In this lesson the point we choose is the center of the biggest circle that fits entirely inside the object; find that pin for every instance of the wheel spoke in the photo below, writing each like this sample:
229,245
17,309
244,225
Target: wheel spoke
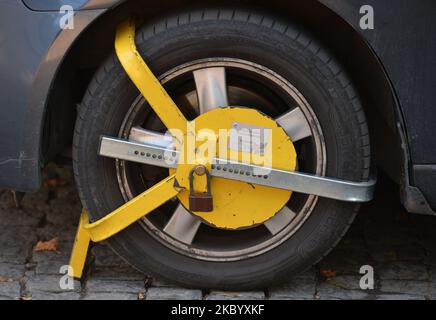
295,124
211,88
183,226
280,220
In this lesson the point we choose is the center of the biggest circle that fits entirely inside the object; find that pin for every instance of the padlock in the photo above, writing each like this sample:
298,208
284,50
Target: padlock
200,202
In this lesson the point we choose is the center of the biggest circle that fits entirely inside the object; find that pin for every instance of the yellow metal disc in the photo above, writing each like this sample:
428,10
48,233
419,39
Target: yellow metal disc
239,204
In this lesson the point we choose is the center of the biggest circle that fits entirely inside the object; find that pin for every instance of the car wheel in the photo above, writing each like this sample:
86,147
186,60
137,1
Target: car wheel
263,63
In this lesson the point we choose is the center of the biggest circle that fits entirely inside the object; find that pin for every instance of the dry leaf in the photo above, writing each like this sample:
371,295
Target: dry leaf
50,245
328,273
55,182
4,279
141,296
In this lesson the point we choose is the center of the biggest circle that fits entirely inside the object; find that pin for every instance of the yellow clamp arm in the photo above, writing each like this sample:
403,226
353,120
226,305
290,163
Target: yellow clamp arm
144,79
171,116
117,220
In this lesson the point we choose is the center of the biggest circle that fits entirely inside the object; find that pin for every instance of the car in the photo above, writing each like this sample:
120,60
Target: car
343,90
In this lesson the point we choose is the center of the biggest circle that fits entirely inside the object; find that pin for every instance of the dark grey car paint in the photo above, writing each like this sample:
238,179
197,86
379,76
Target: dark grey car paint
30,56
54,5
30,53
404,39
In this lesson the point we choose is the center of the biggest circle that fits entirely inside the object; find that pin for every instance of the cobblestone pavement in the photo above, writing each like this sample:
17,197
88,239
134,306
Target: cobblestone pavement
400,246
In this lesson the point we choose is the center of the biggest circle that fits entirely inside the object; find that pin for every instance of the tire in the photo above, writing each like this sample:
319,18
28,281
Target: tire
281,47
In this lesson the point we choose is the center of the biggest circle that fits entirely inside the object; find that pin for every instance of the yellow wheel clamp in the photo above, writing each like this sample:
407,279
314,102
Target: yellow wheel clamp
244,194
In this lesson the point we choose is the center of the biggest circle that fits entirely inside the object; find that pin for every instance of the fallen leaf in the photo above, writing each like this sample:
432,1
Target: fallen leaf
328,274
4,279
337,285
50,245
141,296
55,182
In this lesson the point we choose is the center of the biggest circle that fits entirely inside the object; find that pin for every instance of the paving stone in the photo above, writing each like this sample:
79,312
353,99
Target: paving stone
11,270
427,236
298,288
383,253
65,233
326,291
101,285
401,271
345,261
350,282
353,239
5,298
124,273
68,194
38,295
35,203
308,275
14,217
352,242
379,234
410,287
111,296
50,267
65,211
50,262
16,243
398,297
290,294
433,289
48,283
6,201
158,282
10,290
173,294
228,295
105,257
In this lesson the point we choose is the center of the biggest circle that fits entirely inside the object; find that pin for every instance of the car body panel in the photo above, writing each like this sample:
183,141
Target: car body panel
55,5
30,54
399,40
409,59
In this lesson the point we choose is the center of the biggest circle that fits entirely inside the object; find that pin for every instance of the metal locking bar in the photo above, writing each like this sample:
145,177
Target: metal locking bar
157,155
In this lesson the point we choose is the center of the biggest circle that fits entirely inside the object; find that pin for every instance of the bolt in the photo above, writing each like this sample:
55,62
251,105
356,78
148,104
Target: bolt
200,170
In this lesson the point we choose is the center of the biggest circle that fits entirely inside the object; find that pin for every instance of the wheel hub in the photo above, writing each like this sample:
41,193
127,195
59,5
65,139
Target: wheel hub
239,204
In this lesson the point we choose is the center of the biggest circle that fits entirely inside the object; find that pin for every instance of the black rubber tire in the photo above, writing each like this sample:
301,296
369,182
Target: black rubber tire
282,48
